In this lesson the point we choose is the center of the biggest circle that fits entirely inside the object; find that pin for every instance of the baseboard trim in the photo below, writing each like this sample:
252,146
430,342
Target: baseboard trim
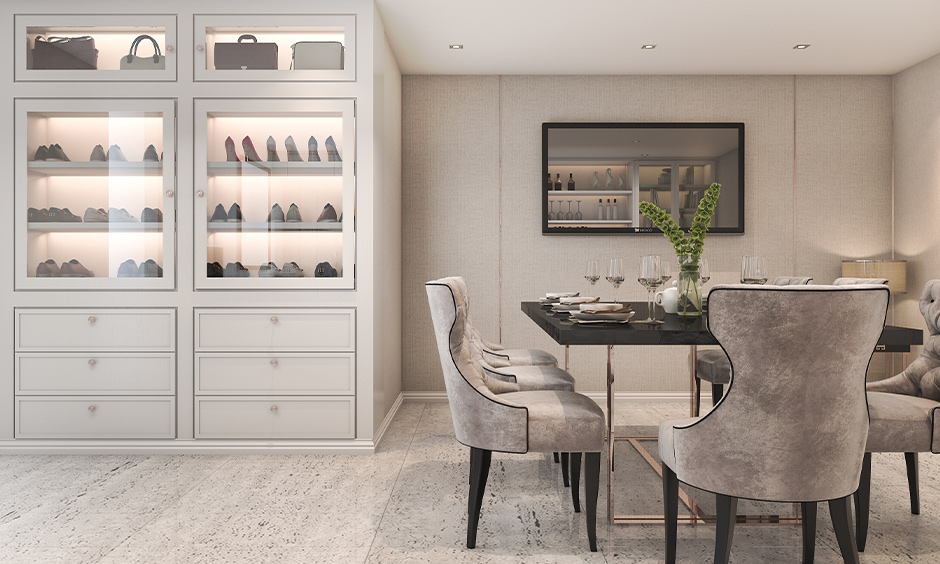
387,421
599,397
186,446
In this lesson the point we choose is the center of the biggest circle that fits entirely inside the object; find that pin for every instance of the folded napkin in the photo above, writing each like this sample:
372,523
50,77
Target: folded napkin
578,300
556,295
586,308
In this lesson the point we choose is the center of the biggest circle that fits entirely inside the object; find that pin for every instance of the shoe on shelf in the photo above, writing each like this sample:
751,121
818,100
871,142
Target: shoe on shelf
293,155
93,215
116,154
214,270
219,214
120,216
41,153
331,153
151,215
312,155
150,269
48,269
292,270
324,270
272,151
55,153
97,154
328,213
235,270
128,269
230,155
74,269
340,218
250,154
269,270
62,216
293,214
235,213
36,216
150,154
276,215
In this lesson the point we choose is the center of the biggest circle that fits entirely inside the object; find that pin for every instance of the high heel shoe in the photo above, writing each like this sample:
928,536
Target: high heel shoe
250,154
312,155
97,154
230,155
116,154
272,151
331,153
293,155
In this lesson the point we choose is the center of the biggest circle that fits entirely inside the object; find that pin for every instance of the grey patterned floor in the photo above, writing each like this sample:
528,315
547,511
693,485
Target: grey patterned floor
405,504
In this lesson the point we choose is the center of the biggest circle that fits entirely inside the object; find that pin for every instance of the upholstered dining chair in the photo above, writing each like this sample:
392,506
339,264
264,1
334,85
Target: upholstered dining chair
854,281
905,413
712,365
793,425
512,422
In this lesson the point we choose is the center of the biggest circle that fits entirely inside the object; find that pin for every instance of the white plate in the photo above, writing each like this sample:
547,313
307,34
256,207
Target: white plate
555,295
625,316
598,321
565,307
600,306
578,300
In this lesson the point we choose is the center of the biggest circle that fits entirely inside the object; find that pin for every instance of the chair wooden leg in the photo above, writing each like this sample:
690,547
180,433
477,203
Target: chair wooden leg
718,390
698,396
576,481
726,512
555,454
808,510
670,512
841,512
862,504
592,477
564,469
479,470
913,481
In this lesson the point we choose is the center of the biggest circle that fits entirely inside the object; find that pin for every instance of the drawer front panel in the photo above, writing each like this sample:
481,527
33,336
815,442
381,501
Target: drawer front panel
95,418
261,330
284,374
92,374
275,418
105,330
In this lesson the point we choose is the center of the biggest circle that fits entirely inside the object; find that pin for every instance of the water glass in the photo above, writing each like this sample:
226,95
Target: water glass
592,273
753,270
703,270
650,277
615,274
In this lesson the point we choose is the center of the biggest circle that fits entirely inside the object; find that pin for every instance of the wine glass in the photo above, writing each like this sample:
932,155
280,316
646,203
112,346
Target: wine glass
615,274
651,277
551,214
667,275
592,273
753,270
703,270
578,215
569,216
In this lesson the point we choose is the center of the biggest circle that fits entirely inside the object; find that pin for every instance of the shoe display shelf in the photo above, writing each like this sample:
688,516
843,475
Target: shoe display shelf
675,186
112,37
236,222
284,48
79,192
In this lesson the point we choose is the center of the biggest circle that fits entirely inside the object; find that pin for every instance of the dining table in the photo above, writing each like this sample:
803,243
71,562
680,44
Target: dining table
674,330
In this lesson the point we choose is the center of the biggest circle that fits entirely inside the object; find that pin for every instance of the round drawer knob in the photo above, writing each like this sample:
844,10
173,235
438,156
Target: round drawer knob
169,193
273,319
169,48
200,193
199,47
91,408
92,362
91,319
273,409
273,362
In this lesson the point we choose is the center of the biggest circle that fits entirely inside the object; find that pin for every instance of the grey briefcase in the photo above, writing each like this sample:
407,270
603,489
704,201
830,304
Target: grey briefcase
246,56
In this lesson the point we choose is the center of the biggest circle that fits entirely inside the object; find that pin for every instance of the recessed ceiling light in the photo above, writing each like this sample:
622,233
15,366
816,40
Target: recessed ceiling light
636,140
801,46
648,46
645,155
456,46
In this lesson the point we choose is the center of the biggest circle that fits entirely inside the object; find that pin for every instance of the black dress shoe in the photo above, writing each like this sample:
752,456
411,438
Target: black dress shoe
328,213
219,214
214,270
235,213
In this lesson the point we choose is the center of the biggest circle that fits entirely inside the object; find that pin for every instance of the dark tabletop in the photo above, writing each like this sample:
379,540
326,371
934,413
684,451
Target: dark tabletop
673,331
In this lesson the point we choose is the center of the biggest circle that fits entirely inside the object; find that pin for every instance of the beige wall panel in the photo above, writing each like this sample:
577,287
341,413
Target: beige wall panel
450,208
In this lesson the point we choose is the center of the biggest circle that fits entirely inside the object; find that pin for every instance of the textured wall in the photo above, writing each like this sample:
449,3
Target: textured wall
471,130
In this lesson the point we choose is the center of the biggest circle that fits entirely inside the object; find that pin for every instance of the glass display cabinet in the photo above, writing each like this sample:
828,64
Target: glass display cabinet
95,194
275,194
95,47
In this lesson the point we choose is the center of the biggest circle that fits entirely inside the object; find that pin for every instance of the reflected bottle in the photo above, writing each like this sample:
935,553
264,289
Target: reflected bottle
600,208
609,212
550,184
558,182
615,210
571,181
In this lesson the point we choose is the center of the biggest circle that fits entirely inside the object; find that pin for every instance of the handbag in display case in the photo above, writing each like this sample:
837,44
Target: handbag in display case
246,56
154,62
317,55
65,53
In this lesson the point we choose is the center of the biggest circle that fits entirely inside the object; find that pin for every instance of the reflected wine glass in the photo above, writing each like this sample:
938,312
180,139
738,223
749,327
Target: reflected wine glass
703,270
615,274
651,277
753,270
551,214
578,215
569,216
592,273
667,275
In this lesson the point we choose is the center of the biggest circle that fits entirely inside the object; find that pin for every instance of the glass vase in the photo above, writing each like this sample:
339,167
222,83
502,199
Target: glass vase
689,286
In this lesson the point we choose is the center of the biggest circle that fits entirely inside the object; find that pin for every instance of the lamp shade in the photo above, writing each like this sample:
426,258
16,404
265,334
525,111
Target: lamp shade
894,270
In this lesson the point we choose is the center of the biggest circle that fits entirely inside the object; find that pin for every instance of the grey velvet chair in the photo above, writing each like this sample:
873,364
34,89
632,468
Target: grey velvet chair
712,365
513,422
793,425
905,413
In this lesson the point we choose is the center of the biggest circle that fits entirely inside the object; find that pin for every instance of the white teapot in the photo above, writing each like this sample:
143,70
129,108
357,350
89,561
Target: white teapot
668,299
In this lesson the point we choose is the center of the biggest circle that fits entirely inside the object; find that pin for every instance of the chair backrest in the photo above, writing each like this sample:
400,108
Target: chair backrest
481,420
794,422
854,281
791,281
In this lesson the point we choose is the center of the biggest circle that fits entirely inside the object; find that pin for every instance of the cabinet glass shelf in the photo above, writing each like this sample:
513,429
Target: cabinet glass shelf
68,227
114,168
275,168
292,226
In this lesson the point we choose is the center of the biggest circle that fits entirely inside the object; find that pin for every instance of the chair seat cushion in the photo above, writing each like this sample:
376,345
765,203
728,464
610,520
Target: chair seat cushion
900,423
561,421
667,451
519,357
713,366
532,378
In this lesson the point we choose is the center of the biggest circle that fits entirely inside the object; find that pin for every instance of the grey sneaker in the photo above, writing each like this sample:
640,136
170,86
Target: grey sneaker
219,214
151,215
41,153
93,215
33,215
128,269
120,216
293,213
74,269
62,215
48,269
55,153
292,270
269,270
276,215
150,154
150,269
235,270
235,213
328,214
97,154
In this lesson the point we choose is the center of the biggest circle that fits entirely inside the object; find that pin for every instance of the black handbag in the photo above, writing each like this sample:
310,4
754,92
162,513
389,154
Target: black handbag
65,53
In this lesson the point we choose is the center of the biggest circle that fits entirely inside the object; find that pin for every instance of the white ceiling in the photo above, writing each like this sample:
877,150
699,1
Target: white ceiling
692,36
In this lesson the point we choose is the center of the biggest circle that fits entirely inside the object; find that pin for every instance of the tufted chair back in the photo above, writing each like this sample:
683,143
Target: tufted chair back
791,281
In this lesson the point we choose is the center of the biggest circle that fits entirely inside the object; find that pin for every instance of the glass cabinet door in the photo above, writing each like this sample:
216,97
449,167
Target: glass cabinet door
675,186
95,194
274,194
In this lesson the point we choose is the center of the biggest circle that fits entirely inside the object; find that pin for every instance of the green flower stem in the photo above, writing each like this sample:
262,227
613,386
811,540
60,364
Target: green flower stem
693,242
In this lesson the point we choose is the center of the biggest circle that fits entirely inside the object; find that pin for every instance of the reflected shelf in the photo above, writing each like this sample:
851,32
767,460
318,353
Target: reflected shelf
282,168
590,193
265,226
115,168
571,222
102,227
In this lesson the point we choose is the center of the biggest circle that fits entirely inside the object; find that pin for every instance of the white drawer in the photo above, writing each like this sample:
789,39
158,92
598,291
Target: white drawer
275,417
96,329
91,374
95,418
276,329
276,374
